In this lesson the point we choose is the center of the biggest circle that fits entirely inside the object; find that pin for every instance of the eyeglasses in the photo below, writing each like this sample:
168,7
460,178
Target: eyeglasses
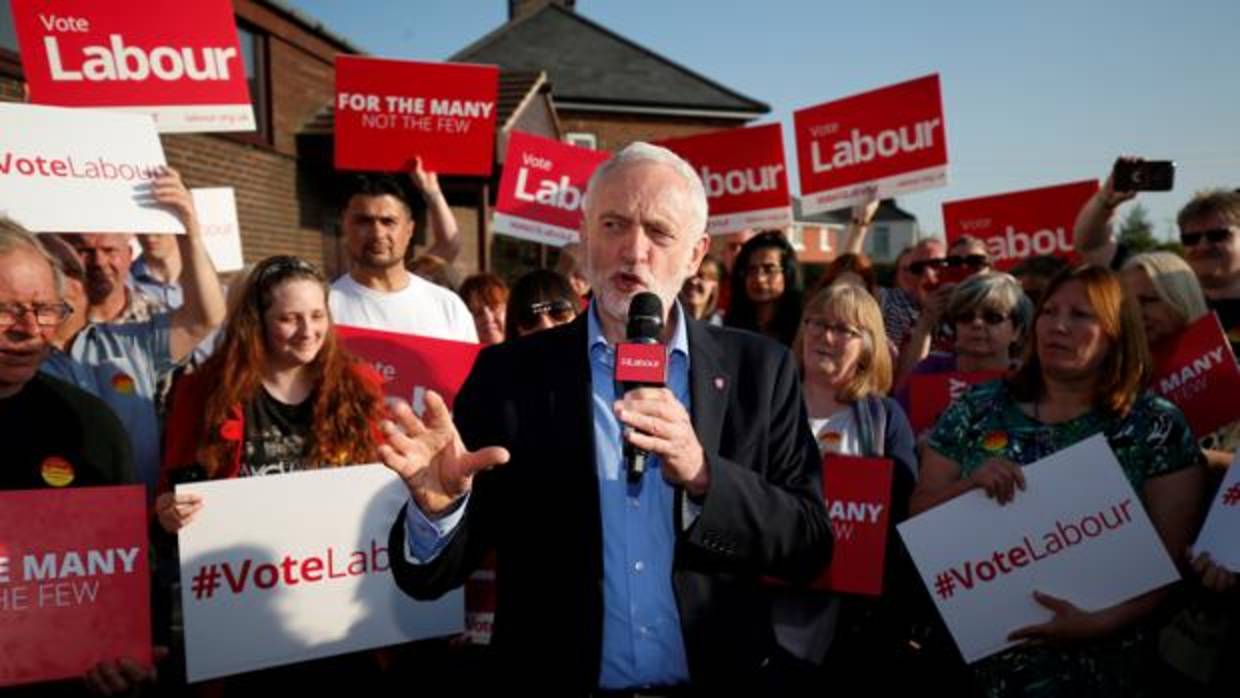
990,317
764,270
560,311
1215,237
45,314
816,325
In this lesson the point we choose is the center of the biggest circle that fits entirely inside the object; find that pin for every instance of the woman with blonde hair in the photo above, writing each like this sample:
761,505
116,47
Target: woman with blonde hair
841,349
1170,298
1166,291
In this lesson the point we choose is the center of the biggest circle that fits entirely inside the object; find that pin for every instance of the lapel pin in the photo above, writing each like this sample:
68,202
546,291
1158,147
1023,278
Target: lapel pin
719,382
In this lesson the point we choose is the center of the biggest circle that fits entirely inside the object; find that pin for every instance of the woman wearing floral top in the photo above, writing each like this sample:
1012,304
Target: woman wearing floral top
1084,374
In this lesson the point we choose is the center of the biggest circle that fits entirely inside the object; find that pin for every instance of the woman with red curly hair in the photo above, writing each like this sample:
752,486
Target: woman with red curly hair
278,396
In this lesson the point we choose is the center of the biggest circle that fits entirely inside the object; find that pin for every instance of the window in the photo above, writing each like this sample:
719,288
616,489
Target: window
880,242
254,56
8,34
582,139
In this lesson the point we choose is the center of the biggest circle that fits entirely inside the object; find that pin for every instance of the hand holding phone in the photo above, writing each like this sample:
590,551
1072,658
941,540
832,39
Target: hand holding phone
1142,175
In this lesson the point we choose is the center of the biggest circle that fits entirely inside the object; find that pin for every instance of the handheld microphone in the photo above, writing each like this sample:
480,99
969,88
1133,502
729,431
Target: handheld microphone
641,361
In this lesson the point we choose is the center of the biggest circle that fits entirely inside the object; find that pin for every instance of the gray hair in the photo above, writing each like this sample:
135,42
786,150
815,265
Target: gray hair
997,290
1174,281
970,241
13,237
645,152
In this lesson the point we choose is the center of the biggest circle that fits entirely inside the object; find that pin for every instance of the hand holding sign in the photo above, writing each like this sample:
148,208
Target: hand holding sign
1000,479
123,675
426,181
1068,625
175,511
430,457
169,190
1213,576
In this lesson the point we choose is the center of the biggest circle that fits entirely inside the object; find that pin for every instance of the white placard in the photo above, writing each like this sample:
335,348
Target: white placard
1077,532
285,568
217,216
80,171
1220,535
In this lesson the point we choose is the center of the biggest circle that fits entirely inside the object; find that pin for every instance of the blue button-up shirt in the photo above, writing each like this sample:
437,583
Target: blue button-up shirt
642,641
170,294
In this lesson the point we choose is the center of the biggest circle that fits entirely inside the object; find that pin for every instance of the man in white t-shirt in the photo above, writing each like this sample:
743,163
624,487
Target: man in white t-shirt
378,292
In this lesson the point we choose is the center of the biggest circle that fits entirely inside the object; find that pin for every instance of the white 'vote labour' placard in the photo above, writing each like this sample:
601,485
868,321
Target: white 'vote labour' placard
80,171
287,568
1077,532
221,233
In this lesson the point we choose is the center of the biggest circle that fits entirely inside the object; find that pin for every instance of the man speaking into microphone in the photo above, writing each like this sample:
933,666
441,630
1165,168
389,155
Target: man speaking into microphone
615,578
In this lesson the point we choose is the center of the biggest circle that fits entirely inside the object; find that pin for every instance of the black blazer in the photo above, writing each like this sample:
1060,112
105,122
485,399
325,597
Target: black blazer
763,513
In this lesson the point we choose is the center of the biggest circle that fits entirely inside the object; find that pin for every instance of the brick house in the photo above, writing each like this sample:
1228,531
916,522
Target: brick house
284,199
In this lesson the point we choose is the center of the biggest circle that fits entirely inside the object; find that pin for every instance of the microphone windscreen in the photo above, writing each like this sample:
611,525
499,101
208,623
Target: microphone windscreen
645,317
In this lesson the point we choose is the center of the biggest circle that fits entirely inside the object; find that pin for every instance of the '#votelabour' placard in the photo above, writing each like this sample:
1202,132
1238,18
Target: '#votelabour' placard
265,584
178,61
74,585
389,111
982,562
1020,224
871,145
744,174
542,190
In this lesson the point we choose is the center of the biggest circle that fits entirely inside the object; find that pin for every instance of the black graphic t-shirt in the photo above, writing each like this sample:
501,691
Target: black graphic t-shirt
277,436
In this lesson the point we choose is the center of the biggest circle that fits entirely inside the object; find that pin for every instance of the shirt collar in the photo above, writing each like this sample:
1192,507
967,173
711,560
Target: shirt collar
139,271
680,338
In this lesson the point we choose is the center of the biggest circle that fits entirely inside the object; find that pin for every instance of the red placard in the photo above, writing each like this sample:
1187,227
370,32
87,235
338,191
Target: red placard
178,60
389,111
871,145
745,176
74,583
1020,224
858,494
411,365
541,191
1197,371
930,394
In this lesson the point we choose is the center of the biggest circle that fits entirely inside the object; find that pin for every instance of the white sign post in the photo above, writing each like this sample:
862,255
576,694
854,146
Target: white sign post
80,171
1077,532
1220,535
287,568
217,215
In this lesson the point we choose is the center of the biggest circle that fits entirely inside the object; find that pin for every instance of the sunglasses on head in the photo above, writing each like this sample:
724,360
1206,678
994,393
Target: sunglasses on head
1213,236
285,265
973,261
990,317
560,311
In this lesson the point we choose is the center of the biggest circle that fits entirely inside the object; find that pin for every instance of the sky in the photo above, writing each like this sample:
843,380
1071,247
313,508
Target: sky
1034,93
